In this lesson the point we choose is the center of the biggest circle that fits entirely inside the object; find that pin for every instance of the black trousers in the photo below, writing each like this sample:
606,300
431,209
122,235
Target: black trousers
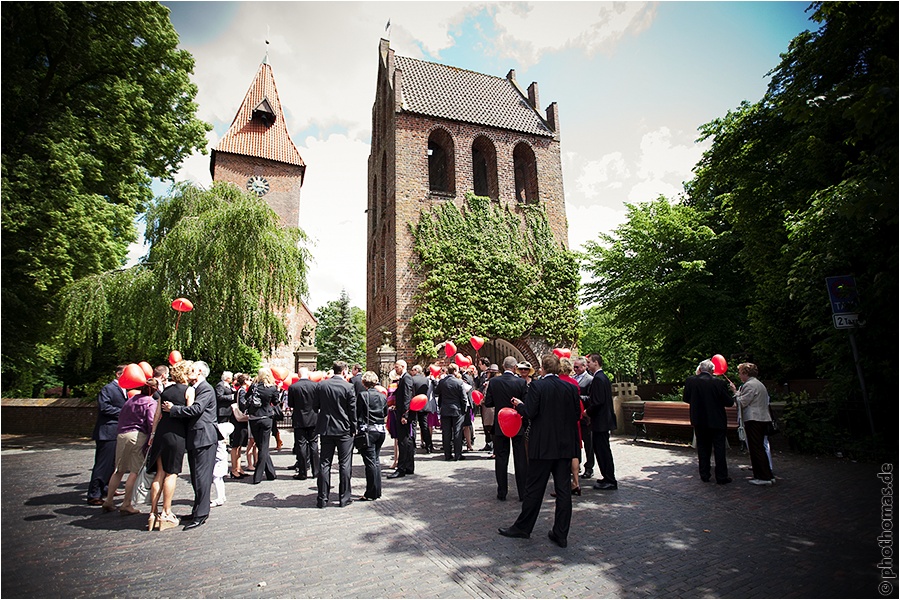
501,463
307,450
344,446
600,443
539,472
424,432
709,441
369,446
452,436
262,433
406,448
104,466
587,438
759,460
201,462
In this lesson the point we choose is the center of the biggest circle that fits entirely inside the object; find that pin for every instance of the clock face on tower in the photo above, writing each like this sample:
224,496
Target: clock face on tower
258,185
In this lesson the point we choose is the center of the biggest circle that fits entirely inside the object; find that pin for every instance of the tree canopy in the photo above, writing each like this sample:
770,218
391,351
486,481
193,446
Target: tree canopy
341,333
487,273
224,250
96,100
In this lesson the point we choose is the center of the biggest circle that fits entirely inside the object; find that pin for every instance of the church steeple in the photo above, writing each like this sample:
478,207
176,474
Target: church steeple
259,129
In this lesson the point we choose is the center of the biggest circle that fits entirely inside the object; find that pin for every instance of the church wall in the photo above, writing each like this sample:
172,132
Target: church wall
284,181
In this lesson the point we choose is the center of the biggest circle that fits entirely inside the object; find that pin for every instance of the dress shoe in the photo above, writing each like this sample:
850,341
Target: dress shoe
194,524
513,533
576,491
724,481
238,476
606,485
347,503
95,501
587,474
320,505
704,479
300,477
762,481
502,498
364,499
396,474
557,540
216,502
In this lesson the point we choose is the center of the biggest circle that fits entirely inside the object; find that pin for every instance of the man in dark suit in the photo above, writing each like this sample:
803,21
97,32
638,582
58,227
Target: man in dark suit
500,392
599,409
420,386
451,401
356,378
708,398
406,441
335,401
224,397
109,404
584,377
202,437
554,408
301,399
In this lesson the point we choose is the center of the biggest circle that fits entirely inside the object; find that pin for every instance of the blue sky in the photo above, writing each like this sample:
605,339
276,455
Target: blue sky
633,82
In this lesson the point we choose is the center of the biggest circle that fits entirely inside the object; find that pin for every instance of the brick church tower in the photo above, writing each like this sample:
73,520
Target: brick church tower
257,154
437,133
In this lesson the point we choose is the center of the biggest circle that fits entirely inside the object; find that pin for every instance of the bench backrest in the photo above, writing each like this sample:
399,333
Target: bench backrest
681,411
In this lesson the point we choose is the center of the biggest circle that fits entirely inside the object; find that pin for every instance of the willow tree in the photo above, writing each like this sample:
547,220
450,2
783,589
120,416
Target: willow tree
224,250
489,272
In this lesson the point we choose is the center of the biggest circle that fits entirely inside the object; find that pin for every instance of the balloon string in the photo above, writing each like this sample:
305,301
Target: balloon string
177,321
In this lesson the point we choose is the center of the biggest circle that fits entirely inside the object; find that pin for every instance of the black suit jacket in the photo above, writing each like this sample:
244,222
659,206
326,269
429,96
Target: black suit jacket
599,406
420,386
554,408
335,401
224,398
451,397
708,398
501,389
201,416
356,382
109,404
301,398
403,395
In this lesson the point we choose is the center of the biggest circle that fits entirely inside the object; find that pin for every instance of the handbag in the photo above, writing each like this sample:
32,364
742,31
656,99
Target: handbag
239,415
277,412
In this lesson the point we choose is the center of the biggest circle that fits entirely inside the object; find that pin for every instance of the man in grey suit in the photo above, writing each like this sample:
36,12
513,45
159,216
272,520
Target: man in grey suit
202,437
335,401
554,407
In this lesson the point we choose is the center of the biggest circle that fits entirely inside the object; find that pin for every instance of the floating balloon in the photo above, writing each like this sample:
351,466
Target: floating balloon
510,421
317,376
133,393
477,342
562,352
719,364
132,377
461,360
280,373
418,402
381,389
174,357
435,370
182,305
449,349
477,397
146,368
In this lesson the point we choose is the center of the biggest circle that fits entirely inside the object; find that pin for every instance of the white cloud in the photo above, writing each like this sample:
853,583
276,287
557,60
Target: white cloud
662,156
529,30
597,172
588,222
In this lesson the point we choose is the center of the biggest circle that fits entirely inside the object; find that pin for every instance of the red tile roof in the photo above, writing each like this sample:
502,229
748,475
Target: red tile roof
251,137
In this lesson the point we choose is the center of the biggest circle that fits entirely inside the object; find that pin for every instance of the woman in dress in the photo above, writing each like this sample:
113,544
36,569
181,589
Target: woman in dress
135,425
261,397
241,434
371,410
566,368
167,447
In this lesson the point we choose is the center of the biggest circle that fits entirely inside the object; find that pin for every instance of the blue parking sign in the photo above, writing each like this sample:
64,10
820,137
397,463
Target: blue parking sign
843,294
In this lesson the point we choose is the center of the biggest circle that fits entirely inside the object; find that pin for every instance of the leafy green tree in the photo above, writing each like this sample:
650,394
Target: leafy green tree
341,333
487,272
225,251
96,100
601,334
666,278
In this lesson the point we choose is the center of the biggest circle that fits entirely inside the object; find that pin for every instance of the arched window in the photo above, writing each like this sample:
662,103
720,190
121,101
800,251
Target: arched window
525,169
484,168
441,170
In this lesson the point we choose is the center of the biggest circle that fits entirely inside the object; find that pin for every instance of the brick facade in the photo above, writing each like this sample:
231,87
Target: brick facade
284,181
399,189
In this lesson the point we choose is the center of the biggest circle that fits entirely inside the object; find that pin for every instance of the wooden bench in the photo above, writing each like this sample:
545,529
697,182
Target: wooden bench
672,414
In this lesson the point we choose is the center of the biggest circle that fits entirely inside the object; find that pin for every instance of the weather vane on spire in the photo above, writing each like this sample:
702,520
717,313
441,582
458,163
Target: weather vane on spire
266,59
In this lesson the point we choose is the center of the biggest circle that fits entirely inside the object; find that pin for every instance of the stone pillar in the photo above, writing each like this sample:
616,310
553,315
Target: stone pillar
306,354
387,356
622,393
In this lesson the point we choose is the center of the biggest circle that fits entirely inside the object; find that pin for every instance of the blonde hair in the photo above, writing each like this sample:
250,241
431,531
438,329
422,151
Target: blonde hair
265,376
565,366
179,371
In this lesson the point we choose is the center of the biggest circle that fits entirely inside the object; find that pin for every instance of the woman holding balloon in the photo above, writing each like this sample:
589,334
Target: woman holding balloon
754,400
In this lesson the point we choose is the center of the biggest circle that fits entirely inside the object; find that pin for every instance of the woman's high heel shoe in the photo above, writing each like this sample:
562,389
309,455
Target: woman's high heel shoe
240,476
152,522
167,521
576,491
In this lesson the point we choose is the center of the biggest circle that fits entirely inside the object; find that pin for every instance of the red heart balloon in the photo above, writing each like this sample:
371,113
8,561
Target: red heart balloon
720,366
182,305
459,359
435,370
418,402
132,377
510,421
449,349
146,368
477,397
562,352
477,342
174,357
280,373
317,376
133,393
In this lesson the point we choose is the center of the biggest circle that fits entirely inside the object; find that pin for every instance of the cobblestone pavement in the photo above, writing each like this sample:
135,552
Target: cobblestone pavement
663,533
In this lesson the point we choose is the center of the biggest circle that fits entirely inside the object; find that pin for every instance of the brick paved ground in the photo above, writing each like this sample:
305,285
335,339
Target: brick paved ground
434,534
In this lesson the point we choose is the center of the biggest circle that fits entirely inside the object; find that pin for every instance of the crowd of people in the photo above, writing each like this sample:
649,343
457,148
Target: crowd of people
566,414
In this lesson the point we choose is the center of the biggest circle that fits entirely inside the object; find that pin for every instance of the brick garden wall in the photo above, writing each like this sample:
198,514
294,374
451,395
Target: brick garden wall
49,416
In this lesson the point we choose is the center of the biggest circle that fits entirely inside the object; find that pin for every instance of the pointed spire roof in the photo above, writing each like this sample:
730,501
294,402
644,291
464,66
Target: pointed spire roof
258,128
